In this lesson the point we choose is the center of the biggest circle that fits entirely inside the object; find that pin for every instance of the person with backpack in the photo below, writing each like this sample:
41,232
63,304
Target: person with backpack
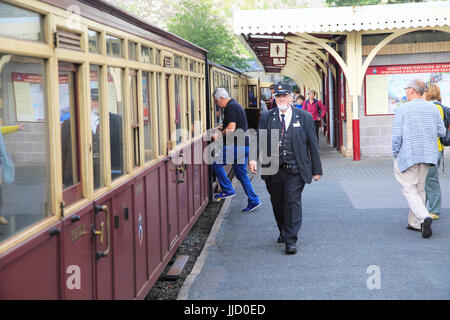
432,186
316,108
417,124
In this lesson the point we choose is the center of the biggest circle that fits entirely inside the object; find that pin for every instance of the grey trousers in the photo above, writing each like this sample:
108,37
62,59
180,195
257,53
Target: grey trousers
412,182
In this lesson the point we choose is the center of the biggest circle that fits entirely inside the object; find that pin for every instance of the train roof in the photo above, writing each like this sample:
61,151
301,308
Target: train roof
108,13
220,66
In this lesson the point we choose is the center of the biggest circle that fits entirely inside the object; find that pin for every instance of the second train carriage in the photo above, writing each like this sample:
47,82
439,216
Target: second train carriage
97,207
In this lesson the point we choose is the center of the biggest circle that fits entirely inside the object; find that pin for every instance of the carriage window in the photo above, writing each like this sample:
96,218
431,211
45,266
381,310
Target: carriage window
146,54
179,135
147,95
177,62
132,82
252,97
190,127
115,108
68,110
160,114
96,126
193,99
200,107
158,57
113,46
132,47
94,41
265,93
24,153
20,23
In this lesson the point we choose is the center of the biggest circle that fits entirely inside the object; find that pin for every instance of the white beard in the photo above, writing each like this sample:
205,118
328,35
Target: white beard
283,108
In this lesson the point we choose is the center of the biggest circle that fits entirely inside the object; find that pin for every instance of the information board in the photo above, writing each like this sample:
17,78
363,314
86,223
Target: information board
385,85
29,97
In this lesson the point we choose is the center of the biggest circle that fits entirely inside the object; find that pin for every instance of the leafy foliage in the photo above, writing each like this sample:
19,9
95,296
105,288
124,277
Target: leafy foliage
195,21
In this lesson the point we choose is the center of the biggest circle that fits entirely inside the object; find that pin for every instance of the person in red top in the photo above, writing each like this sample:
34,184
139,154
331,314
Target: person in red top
312,105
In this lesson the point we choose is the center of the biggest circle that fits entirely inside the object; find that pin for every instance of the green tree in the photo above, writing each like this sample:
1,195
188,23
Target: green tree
196,22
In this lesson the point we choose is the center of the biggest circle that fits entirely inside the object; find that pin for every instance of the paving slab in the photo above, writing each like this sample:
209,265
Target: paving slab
353,243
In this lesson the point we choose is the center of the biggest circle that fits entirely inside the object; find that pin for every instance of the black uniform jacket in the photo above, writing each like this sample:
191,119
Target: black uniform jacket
306,147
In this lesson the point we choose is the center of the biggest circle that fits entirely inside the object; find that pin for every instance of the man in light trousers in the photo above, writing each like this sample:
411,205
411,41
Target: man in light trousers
417,124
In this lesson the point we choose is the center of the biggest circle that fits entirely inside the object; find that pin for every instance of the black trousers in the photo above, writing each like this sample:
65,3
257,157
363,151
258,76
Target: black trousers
286,196
317,124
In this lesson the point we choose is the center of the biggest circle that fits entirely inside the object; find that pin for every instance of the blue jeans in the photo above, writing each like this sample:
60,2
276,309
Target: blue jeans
239,160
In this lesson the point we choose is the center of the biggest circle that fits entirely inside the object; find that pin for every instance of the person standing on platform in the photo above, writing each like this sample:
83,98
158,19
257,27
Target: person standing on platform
417,124
316,108
299,101
7,169
234,118
298,160
432,186
273,103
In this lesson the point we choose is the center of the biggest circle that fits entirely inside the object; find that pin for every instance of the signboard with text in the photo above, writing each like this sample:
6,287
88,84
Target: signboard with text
385,85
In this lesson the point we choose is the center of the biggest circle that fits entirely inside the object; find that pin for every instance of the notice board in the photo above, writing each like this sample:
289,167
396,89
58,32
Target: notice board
29,97
385,85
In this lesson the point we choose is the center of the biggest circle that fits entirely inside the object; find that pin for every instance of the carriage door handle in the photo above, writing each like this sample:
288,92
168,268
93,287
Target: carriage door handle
97,209
181,169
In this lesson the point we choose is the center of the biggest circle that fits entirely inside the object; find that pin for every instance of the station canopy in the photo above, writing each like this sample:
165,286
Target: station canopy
298,42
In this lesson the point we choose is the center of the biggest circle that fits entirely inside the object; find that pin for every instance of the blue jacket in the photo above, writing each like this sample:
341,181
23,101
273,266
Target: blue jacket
417,124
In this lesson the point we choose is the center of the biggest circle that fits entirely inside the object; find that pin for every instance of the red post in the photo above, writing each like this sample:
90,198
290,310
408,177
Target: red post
356,140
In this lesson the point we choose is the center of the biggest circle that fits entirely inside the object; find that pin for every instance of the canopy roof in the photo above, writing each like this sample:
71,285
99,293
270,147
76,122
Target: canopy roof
342,19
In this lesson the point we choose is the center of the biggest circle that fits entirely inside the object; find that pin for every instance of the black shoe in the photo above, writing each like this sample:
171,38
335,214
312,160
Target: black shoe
291,248
426,227
281,239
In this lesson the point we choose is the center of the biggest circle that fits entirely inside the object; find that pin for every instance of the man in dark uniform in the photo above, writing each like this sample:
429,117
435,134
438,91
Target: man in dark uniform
298,159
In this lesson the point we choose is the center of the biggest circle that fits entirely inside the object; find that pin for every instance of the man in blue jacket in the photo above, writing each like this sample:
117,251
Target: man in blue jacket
417,124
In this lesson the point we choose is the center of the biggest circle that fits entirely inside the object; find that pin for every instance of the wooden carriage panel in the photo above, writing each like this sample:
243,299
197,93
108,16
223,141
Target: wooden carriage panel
33,270
140,235
153,221
190,183
172,210
104,266
163,210
123,231
79,255
183,201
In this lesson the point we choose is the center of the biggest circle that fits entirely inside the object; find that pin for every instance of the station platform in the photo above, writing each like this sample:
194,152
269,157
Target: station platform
353,243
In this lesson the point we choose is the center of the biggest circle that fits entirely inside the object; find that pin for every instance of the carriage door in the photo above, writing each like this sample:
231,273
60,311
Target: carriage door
78,246
171,169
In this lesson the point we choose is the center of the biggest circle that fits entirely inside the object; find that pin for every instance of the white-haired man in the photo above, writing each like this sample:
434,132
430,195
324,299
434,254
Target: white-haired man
416,126
234,119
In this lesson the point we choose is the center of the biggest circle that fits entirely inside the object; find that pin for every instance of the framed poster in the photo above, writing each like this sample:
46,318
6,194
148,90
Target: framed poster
384,85
29,97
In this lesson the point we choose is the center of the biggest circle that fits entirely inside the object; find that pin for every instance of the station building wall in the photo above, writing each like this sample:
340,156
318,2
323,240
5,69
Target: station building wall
376,131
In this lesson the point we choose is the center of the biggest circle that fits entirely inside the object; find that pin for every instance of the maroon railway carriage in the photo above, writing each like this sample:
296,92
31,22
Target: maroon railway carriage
95,105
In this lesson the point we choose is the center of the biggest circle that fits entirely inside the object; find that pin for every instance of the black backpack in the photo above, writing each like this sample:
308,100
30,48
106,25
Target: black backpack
446,139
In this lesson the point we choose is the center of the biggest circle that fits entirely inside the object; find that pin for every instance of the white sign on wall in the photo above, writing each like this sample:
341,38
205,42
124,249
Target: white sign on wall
279,61
278,50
